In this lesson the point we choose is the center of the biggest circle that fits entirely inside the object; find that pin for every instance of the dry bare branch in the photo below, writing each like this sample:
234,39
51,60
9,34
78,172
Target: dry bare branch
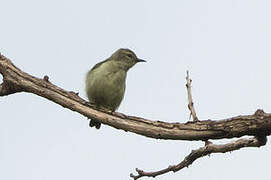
257,124
15,80
203,151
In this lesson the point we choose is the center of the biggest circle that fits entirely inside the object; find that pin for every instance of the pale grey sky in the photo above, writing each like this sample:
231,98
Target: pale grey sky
224,43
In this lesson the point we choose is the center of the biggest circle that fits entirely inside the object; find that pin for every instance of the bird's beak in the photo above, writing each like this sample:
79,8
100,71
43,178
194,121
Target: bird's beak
140,60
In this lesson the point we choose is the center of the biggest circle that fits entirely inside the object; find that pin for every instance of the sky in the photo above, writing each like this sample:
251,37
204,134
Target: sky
225,44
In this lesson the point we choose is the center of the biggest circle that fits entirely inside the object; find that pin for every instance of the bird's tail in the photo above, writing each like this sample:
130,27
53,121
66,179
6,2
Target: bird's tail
95,122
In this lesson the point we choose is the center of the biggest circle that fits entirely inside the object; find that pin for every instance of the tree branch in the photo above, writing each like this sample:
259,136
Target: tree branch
257,124
15,80
204,151
209,147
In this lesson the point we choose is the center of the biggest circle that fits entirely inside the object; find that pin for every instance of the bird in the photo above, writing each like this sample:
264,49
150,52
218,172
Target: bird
106,81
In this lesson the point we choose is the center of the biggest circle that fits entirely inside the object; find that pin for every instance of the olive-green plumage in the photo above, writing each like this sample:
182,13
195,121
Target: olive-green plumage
105,82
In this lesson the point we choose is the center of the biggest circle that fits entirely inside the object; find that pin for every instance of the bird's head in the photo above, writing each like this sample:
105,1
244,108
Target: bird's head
126,58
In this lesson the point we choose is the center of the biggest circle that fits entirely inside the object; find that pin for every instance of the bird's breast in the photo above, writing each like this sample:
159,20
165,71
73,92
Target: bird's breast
106,87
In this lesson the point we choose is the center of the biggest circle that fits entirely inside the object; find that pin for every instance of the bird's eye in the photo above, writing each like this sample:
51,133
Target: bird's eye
130,55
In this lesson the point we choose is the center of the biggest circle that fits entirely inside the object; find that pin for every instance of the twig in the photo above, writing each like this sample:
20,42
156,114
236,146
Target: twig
203,151
190,100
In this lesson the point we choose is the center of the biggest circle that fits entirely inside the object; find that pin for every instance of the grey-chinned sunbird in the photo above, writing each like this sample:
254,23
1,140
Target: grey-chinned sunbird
105,82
